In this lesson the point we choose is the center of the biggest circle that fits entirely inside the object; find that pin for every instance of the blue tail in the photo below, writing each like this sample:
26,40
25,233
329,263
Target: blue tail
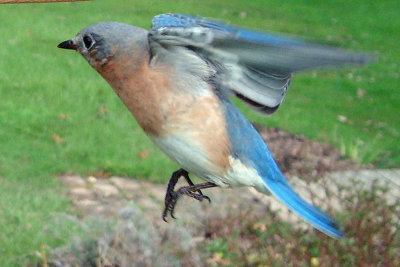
281,189
248,146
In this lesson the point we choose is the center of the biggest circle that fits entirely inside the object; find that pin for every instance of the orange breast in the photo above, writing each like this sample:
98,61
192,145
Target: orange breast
161,108
139,89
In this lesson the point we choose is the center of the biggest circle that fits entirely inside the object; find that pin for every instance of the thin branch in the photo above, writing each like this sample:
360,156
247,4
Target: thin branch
37,1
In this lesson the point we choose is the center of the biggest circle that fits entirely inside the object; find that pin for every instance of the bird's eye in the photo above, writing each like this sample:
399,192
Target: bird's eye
88,41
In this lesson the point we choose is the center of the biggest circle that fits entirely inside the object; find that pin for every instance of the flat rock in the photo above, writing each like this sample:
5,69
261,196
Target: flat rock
105,189
86,202
81,192
125,184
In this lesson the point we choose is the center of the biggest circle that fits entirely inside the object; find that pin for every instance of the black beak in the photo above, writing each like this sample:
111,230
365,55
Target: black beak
67,45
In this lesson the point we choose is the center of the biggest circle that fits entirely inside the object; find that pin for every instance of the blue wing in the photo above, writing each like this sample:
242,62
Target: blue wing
180,20
252,151
255,66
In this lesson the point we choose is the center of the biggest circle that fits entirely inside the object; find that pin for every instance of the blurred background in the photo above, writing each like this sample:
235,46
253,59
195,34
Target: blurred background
58,116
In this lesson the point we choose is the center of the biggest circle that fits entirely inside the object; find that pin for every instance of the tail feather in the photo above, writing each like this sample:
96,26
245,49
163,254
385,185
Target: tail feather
281,189
251,150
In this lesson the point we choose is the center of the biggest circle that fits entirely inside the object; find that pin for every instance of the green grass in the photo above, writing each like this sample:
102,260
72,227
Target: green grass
58,115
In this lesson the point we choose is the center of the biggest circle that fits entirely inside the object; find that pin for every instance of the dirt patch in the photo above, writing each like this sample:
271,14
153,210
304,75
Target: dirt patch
299,156
121,217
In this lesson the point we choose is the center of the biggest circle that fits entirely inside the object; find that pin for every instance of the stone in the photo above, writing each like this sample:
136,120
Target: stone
125,184
92,179
81,192
148,203
73,180
105,189
157,192
86,202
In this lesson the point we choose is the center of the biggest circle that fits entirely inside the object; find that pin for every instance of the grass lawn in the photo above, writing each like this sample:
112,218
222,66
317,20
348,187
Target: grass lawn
58,115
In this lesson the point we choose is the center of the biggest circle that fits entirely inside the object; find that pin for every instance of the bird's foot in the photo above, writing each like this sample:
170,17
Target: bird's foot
171,196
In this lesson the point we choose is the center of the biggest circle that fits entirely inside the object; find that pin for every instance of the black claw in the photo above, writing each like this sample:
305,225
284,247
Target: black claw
171,196
164,217
172,214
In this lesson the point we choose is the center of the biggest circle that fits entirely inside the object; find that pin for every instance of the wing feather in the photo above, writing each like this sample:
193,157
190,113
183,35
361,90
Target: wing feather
256,67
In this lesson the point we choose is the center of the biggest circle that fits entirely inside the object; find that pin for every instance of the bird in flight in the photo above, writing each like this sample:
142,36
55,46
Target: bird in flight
178,79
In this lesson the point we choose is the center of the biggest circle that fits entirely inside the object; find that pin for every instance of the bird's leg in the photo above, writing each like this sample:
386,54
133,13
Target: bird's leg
174,180
187,178
171,196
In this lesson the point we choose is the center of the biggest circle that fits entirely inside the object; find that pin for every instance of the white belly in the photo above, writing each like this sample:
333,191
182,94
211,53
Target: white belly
188,155
184,152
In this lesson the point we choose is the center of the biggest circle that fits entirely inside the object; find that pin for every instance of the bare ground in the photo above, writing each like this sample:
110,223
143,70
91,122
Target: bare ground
128,220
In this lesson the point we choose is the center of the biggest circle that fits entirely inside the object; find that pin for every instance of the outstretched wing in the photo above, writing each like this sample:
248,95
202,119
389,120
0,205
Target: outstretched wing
256,67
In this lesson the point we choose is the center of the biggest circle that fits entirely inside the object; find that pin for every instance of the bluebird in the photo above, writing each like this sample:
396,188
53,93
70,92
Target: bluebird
178,79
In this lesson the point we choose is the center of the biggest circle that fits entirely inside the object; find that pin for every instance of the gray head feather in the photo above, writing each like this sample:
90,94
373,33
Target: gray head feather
104,40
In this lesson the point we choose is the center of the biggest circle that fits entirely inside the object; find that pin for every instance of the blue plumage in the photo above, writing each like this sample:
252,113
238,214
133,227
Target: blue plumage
173,20
248,146
179,20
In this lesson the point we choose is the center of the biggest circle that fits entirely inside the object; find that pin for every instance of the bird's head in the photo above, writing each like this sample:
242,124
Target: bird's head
103,42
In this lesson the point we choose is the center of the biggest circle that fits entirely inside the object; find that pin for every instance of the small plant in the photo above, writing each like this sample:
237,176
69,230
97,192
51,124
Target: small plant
357,150
371,236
